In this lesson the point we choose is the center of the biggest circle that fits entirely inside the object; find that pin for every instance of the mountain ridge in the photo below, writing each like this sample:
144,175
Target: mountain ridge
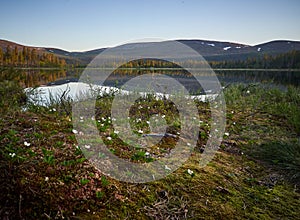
211,50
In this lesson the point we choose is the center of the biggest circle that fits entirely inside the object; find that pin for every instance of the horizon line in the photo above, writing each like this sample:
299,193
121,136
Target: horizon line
141,41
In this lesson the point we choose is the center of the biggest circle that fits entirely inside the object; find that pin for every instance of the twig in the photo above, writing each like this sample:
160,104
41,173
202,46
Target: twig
160,135
20,202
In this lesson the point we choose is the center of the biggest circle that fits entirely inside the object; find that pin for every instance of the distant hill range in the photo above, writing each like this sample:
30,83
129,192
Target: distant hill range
210,50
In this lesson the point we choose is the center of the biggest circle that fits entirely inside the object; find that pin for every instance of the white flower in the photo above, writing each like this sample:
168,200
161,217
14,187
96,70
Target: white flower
140,131
54,109
87,146
190,172
46,179
232,112
147,154
194,118
12,154
102,125
26,144
74,131
109,138
103,119
167,168
93,118
163,116
81,118
234,123
248,92
116,132
88,210
188,144
200,122
113,119
226,133
148,122
216,130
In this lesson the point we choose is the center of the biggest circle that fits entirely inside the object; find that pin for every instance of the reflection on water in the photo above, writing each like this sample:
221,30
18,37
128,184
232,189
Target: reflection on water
38,77
35,77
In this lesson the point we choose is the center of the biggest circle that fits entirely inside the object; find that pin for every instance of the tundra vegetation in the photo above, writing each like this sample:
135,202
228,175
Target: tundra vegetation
255,174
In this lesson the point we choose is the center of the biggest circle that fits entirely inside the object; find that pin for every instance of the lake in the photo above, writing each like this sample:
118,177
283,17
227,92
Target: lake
53,77
56,80
281,78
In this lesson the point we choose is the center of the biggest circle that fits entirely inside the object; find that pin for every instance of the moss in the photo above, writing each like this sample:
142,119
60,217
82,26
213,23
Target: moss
240,182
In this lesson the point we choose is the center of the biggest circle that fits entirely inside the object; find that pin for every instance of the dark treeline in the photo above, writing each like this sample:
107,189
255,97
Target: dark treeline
32,57
290,60
27,57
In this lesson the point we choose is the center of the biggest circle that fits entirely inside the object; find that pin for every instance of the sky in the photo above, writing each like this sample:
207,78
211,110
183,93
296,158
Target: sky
80,25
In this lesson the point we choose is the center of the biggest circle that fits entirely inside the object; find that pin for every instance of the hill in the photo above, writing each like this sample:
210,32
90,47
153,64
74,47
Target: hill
210,50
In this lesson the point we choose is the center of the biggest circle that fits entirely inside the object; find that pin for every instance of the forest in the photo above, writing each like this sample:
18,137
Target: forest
33,57
29,57
290,60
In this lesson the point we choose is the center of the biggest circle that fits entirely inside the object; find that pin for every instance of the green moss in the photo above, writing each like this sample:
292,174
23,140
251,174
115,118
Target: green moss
257,184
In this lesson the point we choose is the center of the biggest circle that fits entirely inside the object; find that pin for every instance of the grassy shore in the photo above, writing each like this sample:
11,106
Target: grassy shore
254,174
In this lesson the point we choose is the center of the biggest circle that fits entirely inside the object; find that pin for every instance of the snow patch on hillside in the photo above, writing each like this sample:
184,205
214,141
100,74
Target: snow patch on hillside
226,48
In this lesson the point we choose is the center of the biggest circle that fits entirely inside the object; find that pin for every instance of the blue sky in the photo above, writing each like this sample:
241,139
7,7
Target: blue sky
82,25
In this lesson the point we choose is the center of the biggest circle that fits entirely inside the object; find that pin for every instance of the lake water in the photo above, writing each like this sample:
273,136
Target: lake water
49,79
56,81
35,77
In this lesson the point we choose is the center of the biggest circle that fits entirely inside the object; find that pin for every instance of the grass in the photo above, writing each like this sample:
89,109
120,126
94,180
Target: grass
254,175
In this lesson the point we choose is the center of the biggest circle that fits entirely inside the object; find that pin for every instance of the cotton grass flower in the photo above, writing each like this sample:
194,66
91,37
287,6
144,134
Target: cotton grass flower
87,146
12,154
26,144
167,168
190,172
